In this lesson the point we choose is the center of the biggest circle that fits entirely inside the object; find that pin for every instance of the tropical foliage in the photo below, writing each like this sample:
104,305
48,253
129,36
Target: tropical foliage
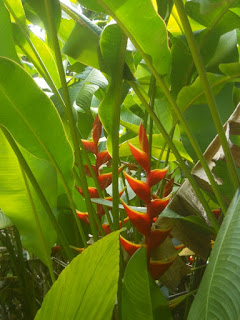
119,159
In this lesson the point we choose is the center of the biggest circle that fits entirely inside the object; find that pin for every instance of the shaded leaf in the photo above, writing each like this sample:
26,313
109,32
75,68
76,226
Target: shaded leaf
74,294
221,280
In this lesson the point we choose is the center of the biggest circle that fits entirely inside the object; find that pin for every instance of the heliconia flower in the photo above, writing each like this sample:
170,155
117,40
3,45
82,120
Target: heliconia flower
155,176
143,139
157,206
140,220
79,250
141,188
92,192
102,157
157,268
157,237
168,187
97,129
90,146
129,246
83,216
141,157
87,170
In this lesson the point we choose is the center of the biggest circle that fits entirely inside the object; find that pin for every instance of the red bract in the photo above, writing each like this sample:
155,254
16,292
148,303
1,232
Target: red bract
102,157
157,237
87,170
143,139
83,216
141,188
157,206
141,221
141,157
157,268
90,146
155,176
130,247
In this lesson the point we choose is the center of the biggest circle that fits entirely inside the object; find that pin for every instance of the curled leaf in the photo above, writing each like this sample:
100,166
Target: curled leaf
90,146
141,188
128,246
156,176
141,221
141,157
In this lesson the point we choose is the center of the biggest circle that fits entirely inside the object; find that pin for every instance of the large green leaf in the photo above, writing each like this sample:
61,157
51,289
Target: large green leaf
82,45
16,203
32,118
39,7
87,288
145,29
141,298
196,120
7,47
219,293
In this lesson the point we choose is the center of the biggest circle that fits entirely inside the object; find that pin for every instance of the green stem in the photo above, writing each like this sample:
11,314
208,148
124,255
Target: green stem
152,89
39,192
117,81
72,126
208,91
178,157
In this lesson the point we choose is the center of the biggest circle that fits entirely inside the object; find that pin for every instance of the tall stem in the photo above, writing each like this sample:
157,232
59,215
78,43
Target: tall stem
117,81
72,126
208,91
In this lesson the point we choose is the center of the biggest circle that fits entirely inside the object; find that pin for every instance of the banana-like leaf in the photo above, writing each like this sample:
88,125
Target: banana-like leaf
219,293
32,119
150,41
7,47
87,288
20,203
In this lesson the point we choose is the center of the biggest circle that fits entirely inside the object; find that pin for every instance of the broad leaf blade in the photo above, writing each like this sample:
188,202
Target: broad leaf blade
32,119
87,288
7,47
141,299
15,202
219,292
150,40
